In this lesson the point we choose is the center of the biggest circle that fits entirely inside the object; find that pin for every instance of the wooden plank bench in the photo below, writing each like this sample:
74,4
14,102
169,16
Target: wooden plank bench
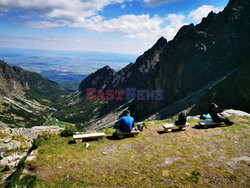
205,124
80,137
171,126
121,134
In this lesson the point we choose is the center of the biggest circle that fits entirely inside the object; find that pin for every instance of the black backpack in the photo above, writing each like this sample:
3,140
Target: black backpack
182,119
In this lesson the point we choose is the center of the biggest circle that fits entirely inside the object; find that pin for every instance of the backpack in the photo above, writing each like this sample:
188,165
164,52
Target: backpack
182,119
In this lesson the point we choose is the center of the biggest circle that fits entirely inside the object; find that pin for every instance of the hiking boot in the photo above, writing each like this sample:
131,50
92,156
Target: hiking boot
230,123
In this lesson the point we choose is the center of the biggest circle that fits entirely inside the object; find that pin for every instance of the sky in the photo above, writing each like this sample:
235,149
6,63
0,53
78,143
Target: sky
118,26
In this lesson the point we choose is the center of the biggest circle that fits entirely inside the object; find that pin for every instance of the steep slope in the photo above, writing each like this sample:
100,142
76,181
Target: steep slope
232,92
199,55
26,97
133,75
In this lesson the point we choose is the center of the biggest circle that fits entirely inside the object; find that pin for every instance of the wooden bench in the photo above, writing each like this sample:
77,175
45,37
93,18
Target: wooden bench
171,126
80,137
205,124
121,134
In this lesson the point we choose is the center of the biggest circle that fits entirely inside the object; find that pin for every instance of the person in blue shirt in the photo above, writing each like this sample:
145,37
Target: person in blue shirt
127,122
205,116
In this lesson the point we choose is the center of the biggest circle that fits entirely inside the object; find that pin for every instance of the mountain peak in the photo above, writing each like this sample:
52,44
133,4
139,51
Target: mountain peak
105,69
98,79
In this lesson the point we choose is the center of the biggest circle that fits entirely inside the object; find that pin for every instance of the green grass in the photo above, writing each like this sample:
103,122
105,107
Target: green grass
191,158
55,122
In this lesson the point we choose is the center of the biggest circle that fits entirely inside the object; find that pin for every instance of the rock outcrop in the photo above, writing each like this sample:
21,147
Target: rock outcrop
15,144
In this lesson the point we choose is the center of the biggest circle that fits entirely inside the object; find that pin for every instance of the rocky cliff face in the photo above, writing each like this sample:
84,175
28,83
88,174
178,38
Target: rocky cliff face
199,55
132,75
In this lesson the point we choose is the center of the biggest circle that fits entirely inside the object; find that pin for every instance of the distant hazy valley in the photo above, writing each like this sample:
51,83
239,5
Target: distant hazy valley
66,79
64,67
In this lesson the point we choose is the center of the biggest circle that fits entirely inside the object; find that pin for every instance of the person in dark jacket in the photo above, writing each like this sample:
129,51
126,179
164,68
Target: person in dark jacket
182,119
214,110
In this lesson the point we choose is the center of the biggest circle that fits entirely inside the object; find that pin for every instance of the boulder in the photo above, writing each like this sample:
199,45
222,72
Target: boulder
231,112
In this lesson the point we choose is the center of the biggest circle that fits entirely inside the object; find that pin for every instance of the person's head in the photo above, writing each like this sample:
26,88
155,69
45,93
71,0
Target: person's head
127,112
202,116
213,105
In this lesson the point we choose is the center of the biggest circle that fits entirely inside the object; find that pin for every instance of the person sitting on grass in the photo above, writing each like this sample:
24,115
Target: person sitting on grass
214,110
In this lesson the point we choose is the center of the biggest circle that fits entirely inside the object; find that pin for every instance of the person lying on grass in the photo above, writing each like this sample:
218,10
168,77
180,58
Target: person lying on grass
205,116
214,110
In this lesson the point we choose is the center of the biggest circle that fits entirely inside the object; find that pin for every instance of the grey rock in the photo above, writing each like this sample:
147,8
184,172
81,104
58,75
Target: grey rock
13,164
25,171
15,157
31,158
31,134
4,147
231,112
7,140
5,177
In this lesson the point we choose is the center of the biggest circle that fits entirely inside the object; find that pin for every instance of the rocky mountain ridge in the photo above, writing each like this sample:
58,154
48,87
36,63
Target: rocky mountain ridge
202,54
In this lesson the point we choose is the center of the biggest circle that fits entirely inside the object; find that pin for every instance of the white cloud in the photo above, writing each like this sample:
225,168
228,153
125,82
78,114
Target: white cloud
132,26
46,24
159,2
141,25
58,9
203,11
79,13
84,14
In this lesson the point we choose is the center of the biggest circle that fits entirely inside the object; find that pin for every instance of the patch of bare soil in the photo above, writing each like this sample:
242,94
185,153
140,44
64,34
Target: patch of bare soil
237,120
42,171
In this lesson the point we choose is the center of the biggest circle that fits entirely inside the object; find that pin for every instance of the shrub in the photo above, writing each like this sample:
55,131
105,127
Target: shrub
28,181
69,130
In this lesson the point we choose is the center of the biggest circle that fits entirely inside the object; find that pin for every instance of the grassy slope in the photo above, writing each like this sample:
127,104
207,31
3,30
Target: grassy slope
80,113
192,158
